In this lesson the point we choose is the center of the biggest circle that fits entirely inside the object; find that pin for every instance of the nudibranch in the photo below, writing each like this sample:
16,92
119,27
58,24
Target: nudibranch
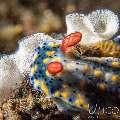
55,68
76,83
63,77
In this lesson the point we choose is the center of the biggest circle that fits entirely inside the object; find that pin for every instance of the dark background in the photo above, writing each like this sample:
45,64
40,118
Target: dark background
19,18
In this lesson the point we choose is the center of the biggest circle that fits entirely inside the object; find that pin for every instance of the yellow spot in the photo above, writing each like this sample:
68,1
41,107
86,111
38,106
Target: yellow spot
37,82
47,73
53,44
34,69
114,77
79,96
65,94
86,68
50,53
86,106
44,87
102,86
45,60
115,64
35,57
79,102
98,73
57,59
57,94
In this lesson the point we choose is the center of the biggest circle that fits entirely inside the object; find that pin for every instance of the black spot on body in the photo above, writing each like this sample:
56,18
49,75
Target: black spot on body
52,90
47,84
43,75
70,100
76,69
43,47
35,76
74,91
38,48
65,60
40,71
47,48
38,62
45,79
32,78
60,79
38,87
50,56
39,76
39,56
44,44
50,81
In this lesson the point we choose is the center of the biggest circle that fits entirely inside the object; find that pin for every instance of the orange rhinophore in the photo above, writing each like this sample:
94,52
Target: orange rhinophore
71,40
54,67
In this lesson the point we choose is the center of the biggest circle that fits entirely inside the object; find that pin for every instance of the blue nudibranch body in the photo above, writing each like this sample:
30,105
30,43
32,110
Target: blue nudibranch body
53,85
75,82
78,83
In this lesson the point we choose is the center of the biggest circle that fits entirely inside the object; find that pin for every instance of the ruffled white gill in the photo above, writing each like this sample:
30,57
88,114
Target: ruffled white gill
96,26
105,23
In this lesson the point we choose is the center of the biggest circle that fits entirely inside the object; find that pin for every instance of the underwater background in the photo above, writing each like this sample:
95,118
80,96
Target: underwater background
20,18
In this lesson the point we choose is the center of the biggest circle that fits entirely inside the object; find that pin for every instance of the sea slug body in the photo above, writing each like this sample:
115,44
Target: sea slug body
75,83
72,78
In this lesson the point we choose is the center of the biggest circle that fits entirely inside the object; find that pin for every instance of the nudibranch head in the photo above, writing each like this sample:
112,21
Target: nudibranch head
71,40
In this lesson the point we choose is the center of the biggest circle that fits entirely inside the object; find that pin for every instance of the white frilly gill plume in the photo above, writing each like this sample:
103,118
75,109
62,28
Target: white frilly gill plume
96,26
105,23
80,23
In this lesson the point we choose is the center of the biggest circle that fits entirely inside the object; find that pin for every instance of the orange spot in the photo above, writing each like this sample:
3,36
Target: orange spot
71,40
54,67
